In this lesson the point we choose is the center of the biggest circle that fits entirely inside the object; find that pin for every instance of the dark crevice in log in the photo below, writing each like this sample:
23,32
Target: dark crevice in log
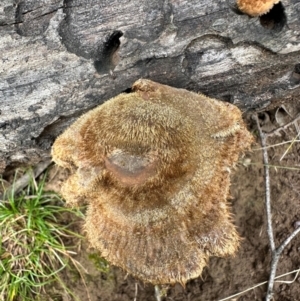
128,90
275,19
295,76
108,53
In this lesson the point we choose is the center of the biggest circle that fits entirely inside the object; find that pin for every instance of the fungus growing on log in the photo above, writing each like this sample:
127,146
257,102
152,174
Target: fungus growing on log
256,8
154,166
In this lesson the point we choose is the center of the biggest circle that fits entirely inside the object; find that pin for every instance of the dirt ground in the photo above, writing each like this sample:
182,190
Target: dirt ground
251,265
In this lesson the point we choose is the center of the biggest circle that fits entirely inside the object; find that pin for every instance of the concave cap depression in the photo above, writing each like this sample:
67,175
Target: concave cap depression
256,8
153,166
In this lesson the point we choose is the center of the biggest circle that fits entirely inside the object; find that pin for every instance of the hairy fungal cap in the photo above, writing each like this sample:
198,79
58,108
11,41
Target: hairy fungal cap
153,166
256,8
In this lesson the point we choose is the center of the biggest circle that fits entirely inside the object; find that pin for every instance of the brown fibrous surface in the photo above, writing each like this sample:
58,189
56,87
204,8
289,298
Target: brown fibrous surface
256,8
154,168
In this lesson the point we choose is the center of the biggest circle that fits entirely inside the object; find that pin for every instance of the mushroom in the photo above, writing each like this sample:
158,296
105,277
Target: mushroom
256,8
154,167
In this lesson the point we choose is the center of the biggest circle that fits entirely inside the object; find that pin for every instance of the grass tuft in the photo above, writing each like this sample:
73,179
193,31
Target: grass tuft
32,251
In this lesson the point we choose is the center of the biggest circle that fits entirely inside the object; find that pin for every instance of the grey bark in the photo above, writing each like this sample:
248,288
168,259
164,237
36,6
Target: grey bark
59,59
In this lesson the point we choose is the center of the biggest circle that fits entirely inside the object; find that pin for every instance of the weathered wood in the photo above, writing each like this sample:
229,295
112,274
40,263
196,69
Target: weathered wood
60,59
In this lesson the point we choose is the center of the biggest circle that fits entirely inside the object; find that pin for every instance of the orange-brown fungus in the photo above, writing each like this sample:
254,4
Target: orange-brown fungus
256,8
153,166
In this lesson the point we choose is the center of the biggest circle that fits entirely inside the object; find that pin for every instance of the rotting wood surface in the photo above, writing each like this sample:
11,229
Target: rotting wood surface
58,59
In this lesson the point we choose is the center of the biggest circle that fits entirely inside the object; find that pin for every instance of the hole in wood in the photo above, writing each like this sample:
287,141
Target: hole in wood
128,90
295,76
109,53
275,19
297,69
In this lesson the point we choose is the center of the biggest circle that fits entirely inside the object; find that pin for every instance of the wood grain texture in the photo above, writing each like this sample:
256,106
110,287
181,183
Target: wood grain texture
59,59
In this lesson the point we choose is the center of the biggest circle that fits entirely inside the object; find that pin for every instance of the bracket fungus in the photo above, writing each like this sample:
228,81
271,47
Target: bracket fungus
255,8
154,166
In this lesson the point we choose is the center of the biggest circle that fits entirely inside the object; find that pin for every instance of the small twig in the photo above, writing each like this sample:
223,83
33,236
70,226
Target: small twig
275,258
18,185
262,283
135,292
76,264
284,127
278,166
157,293
267,185
277,144
275,252
290,146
